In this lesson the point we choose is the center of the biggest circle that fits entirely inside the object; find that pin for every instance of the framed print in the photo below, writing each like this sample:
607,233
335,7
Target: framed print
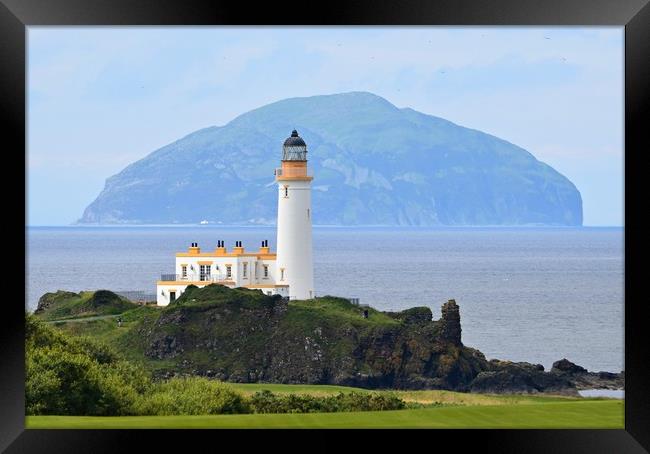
374,215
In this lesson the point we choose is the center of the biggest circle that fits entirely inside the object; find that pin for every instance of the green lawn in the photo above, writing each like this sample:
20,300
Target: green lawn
587,414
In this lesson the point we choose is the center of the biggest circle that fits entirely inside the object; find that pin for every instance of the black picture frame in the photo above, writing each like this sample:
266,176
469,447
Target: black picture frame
634,15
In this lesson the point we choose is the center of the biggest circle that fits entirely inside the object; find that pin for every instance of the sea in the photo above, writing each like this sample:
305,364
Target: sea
525,294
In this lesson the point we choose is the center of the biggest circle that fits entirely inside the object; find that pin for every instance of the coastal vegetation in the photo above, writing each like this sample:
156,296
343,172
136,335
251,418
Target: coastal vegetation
220,357
80,376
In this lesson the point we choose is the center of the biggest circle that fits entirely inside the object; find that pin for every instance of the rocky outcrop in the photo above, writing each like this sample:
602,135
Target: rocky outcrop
583,379
450,323
242,335
522,377
564,366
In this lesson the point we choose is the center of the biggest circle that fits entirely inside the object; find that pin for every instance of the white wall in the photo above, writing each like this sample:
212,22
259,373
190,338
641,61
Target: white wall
294,241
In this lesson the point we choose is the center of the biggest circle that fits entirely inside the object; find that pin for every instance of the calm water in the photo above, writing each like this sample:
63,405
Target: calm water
534,295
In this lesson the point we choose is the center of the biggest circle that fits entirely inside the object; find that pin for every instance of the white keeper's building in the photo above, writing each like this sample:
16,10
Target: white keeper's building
289,272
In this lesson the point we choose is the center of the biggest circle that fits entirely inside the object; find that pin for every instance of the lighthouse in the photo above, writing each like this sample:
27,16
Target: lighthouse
288,273
294,265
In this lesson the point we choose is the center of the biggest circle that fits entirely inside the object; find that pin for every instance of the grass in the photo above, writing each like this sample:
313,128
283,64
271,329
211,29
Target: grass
339,309
567,414
459,410
69,305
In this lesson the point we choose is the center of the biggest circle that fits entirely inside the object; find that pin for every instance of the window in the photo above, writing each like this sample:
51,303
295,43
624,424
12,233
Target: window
266,271
286,191
228,271
281,274
172,296
269,292
245,269
204,272
307,213
184,271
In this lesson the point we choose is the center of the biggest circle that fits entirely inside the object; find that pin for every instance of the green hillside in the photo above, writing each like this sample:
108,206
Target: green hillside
373,163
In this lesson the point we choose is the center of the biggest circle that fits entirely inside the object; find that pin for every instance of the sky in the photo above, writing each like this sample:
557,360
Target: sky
100,98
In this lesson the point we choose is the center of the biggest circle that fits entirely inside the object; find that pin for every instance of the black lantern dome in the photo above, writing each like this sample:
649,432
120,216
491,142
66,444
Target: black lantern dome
294,148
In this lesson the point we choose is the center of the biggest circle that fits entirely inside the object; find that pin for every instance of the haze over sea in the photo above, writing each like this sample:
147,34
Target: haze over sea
525,294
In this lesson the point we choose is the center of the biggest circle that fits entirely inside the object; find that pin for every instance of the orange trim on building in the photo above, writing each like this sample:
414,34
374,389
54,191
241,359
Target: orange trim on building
270,256
294,178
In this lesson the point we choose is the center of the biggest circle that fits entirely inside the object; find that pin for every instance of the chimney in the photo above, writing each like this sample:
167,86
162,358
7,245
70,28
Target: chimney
265,247
239,249
221,248
194,249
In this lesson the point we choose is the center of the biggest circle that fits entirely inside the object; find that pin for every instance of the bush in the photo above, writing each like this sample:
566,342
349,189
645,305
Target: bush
192,396
77,376
67,383
267,402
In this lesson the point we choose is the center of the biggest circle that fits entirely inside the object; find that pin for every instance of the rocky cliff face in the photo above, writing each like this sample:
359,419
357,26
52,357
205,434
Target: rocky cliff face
244,336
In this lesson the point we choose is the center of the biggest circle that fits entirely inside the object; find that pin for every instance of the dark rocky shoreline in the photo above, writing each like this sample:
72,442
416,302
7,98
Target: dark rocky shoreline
564,377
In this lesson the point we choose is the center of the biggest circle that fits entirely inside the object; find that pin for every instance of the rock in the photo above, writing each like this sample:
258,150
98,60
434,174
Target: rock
450,323
526,378
242,335
567,367
581,378
608,376
252,337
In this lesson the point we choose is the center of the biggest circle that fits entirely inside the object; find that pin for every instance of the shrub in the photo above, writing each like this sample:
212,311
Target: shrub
72,383
267,402
77,376
192,396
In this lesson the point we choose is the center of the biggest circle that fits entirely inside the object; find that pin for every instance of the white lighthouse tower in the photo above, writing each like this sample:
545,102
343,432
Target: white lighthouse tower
294,256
